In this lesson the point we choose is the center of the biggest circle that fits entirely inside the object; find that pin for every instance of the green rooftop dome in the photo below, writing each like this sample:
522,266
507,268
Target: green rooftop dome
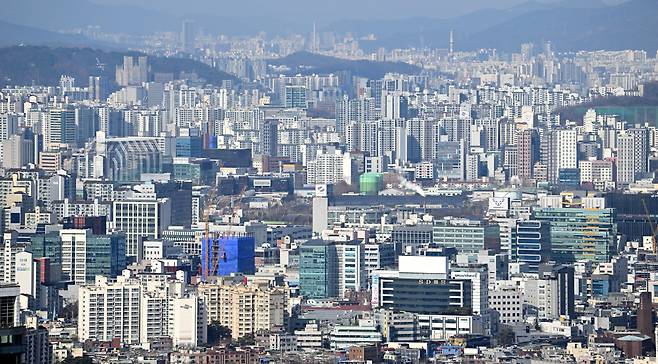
371,183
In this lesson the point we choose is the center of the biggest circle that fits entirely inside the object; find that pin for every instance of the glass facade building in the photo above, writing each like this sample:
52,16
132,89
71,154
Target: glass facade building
467,236
48,245
425,295
106,255
318,269
531,244
580,234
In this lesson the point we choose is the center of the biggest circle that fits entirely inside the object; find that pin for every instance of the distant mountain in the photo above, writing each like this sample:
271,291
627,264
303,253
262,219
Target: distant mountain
431,24
69,14
648,99
131,19
25,65
630,25
571,26
433,30
13,34
308,63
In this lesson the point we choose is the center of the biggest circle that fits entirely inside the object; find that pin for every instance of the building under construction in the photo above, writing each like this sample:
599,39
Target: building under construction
223,255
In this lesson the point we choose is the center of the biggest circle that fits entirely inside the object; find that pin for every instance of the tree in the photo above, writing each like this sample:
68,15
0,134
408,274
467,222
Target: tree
217,333
506,336
70,311
342,188
78,360
246,340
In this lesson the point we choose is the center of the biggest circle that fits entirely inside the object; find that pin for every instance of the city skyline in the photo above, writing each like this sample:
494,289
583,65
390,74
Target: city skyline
342,183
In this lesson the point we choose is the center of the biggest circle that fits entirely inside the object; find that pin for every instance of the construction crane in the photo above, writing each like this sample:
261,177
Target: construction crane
654,229
209,258
213,251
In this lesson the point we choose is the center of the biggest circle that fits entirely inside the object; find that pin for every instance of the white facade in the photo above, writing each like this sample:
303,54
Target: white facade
351,268
442,327
283,342
478,276
310,338
140,219
136,311
188,321
10,250
330,168
109,310
343,337
8,125
74,254
507,301
542,295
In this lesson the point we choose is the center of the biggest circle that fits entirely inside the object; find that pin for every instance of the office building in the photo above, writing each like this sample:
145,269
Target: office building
531,244
422,285
140,220
351,268
467,236
579,233
318,269
59,128
12,334
295,97
506,301
85,255
344,337
188,35
552,294
126,159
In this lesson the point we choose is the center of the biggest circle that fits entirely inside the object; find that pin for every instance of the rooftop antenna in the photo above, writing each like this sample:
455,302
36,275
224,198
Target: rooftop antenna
452,40
313,49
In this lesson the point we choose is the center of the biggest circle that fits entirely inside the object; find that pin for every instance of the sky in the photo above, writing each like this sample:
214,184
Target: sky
245,16
327,10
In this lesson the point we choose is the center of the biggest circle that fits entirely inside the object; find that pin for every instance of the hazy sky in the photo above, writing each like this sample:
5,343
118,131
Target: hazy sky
244,16
327,10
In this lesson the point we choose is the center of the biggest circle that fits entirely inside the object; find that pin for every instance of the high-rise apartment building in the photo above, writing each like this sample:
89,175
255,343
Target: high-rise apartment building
109,310
136,312
632,155
562,152
467,236
59,128
527,153
295,97
245,309
132,73
8,125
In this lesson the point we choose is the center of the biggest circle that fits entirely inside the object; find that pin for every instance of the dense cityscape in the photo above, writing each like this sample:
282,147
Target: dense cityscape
320,197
